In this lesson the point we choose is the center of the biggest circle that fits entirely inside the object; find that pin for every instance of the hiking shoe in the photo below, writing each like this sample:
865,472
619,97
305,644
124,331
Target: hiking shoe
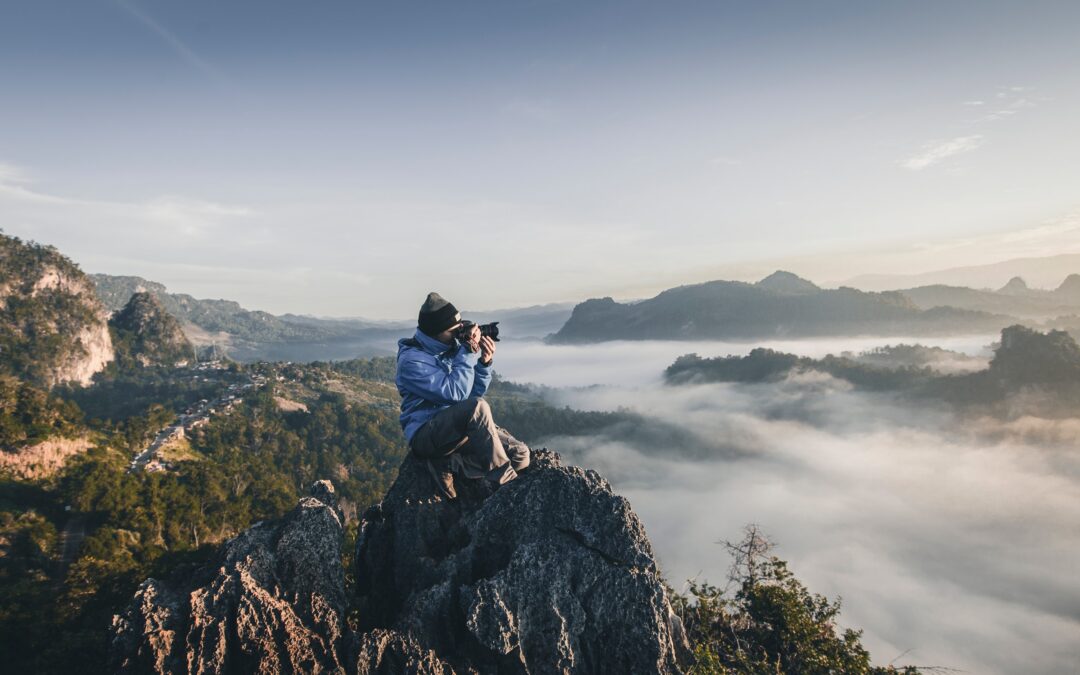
444,479
502,475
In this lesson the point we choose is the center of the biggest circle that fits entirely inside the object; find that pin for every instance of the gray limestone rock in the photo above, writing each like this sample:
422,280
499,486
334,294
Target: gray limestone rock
553,573
386,652
273,602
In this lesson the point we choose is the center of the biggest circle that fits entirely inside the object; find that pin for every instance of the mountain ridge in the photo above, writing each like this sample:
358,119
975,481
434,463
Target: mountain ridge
1041,271
781,305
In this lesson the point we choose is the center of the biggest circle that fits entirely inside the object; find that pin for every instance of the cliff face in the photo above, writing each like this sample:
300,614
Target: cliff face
273,601
53,328
552,573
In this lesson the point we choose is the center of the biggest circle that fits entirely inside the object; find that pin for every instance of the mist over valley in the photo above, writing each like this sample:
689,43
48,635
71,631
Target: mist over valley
951,537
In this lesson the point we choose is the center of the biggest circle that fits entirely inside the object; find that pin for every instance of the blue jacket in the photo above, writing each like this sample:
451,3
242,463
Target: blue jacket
432,376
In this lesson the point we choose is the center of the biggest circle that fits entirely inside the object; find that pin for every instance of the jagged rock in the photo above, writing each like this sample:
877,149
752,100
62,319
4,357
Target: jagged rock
274,601
553,573
386,652
147,636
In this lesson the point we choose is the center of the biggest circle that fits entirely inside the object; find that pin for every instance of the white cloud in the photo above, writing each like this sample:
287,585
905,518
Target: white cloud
177,215
935,152
974,102
997,115
11,174
1049,237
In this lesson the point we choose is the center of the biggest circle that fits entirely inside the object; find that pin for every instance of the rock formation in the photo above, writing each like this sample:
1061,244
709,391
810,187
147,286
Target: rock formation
552,573
145,334
272,602
52,326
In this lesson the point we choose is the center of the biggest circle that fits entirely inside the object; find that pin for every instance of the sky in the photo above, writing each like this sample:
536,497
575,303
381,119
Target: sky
345,158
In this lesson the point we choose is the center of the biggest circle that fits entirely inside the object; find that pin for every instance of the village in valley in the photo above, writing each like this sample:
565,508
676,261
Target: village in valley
152,458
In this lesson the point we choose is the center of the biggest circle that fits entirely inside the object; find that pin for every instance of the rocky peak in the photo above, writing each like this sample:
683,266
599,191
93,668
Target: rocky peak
788,284
272,601
552,573
1070,286
147,334
1015,286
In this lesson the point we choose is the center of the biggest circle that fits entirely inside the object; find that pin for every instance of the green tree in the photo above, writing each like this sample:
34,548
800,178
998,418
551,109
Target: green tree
772,624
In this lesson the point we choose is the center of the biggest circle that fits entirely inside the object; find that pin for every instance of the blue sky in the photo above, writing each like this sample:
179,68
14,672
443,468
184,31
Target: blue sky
344,158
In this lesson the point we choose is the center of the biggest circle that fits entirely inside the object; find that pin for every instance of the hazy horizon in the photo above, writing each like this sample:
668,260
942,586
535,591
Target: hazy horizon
993,276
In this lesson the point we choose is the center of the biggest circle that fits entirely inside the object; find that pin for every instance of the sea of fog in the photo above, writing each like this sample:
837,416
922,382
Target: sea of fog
951,543
630,362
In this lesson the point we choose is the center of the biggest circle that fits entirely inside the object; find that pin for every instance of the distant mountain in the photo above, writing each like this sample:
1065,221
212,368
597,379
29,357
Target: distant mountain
145,334
1016,286
52,325
248,335
781,305
1015,298
216,320
516,322
526,322
1069,289
1040,272
787,283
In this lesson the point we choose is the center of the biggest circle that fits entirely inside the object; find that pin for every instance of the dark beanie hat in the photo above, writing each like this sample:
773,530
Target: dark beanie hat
437,314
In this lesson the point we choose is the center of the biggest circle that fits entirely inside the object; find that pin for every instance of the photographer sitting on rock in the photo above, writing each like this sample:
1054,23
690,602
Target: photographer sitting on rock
442,374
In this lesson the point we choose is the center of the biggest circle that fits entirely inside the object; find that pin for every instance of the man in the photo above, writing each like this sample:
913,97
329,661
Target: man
447,422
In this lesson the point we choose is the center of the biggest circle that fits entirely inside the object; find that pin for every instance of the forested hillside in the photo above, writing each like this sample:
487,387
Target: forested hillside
52,326
1044,367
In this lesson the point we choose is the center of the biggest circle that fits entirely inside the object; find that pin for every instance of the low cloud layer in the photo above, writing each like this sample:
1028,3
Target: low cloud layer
954,539
633,362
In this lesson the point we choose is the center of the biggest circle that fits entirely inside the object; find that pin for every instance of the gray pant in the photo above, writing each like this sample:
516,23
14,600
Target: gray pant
466,434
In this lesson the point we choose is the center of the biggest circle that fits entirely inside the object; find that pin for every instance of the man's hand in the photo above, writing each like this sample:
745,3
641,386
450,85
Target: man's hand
487,350
472,340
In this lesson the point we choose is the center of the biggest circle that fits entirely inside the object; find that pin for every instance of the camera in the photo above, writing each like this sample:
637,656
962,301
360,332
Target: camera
490,330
